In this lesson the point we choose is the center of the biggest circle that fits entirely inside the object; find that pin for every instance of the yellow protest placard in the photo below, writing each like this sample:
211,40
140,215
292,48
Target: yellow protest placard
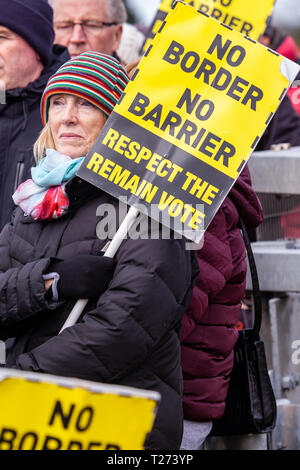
222,75
189,119
41,412
247,17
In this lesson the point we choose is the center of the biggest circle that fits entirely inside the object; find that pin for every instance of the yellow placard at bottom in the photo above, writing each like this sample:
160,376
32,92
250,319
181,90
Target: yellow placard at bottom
40,412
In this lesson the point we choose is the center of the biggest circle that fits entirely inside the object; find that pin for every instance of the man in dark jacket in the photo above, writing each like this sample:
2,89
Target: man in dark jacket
27,60
283,129
285,125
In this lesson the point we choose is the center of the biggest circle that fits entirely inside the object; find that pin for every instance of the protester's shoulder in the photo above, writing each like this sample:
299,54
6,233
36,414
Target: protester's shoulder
160,267
245,200
59,56
16,217
159,256
241,202
9,228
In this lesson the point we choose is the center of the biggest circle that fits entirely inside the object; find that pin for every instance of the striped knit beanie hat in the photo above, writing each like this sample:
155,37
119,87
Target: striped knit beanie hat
98,78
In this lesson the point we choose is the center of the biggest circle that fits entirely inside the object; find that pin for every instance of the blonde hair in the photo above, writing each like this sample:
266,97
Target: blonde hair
44,141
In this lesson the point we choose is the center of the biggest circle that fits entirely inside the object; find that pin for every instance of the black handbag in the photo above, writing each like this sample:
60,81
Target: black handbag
250,402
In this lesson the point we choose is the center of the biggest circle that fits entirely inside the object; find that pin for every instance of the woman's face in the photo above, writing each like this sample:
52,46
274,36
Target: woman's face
75,124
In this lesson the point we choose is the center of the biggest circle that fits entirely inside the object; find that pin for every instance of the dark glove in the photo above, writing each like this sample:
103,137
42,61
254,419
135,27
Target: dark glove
84,276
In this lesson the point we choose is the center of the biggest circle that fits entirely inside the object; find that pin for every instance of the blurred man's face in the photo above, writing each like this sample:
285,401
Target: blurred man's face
90,34
19,63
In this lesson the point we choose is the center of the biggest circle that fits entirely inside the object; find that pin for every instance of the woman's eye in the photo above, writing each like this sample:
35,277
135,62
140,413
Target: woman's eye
86,103
57,102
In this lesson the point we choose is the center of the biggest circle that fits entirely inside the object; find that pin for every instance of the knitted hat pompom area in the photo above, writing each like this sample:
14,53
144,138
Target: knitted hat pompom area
95,77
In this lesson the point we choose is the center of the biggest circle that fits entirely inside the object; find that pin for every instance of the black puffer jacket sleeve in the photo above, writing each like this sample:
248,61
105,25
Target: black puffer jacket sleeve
145,300
22,289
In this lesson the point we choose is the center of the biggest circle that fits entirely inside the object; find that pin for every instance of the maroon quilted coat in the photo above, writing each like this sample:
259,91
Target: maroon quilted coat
208,332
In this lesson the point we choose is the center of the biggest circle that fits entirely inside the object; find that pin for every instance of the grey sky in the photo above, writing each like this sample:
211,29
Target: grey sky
145,9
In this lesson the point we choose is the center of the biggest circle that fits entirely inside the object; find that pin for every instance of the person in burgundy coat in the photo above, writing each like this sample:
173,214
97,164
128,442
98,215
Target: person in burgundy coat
208,332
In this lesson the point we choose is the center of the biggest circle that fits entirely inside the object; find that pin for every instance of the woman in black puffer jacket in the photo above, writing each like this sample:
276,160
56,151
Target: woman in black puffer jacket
50,256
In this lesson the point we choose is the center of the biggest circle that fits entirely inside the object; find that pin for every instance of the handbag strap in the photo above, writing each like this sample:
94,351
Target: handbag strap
255,282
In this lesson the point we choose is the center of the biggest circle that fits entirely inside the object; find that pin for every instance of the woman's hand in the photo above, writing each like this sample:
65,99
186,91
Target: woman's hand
84,276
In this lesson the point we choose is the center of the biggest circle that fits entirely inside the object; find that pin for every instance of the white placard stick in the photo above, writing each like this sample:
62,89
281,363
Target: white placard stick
110,252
